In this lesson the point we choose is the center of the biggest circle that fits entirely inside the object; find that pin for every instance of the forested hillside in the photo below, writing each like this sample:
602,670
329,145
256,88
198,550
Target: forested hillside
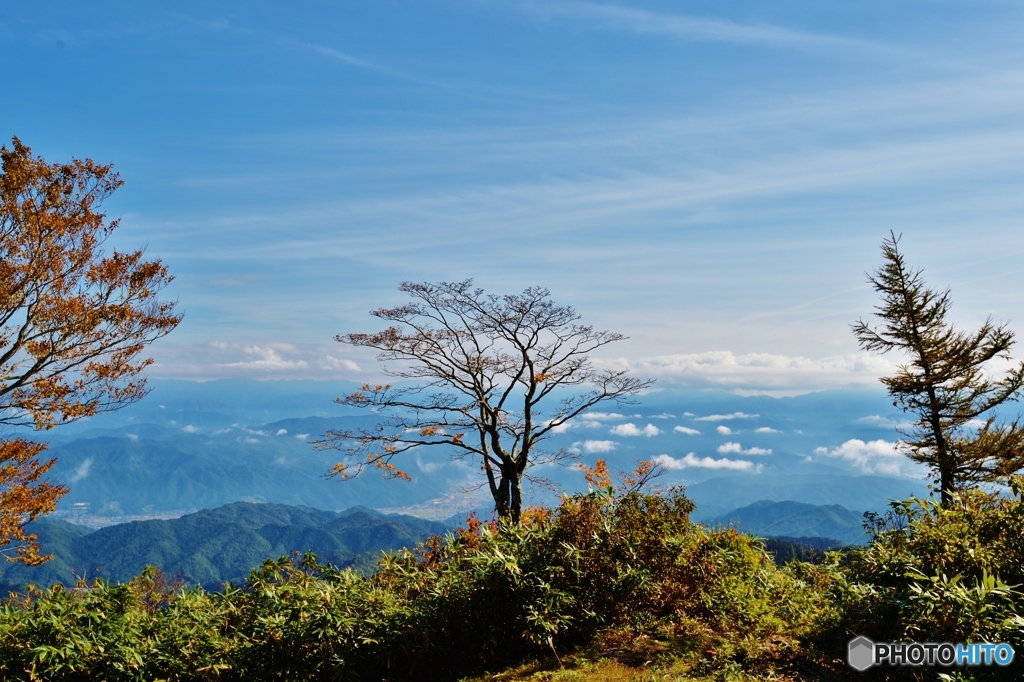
211,547
796,519
609,582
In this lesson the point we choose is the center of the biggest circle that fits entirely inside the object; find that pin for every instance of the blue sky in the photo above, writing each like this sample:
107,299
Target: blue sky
711,180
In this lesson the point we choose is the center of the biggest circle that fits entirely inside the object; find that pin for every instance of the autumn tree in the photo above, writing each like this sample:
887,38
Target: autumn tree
74,320
950,381
492,378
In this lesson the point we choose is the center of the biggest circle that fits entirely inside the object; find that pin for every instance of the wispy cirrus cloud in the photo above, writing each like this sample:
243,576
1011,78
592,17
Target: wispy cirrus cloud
687,27
568,179
340,56
352,60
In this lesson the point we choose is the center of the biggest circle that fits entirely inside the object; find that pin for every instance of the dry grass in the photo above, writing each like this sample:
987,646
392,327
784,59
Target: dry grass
647,660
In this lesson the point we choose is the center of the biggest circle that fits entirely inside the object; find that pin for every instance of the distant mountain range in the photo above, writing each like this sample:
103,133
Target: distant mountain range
211,547
190,445
797,520
718,496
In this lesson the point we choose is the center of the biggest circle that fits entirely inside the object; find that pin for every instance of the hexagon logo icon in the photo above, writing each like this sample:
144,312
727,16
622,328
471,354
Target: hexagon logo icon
861,654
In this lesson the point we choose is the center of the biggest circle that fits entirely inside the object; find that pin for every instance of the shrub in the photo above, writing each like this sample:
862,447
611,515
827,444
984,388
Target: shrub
485,596
936,573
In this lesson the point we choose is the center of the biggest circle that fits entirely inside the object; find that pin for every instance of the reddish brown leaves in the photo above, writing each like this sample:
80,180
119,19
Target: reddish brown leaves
597,476
74,320
23,498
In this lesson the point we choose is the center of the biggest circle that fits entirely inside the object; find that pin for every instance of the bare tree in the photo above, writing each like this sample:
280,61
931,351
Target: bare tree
494,376
947,381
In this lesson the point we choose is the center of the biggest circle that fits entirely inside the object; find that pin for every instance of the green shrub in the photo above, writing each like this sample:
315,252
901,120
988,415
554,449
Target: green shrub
485,596
935,573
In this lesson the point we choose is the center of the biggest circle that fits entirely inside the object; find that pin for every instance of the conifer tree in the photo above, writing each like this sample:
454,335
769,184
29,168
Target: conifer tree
949,381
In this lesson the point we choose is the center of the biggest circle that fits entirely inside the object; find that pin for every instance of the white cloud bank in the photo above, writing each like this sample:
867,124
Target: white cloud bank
592,446
884,422
561,428
632,430
724,430
761,373
603,416
691,461
340,364
737,449
270,357
766,429
752,373
875,457
276,359
687,430
726,417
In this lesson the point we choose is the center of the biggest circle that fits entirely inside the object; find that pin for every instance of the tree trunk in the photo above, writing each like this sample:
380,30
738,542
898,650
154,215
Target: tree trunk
946,485
508,503
942,456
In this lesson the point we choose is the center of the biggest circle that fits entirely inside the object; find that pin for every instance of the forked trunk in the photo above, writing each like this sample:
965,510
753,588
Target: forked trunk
508,502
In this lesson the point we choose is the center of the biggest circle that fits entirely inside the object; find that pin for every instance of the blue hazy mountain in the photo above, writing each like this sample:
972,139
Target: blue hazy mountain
191,445
219,545
790,519
214,546
867,493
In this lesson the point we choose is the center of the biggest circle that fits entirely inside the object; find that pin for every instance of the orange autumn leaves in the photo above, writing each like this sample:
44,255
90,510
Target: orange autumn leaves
74,319
434,431
599,478
23,498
